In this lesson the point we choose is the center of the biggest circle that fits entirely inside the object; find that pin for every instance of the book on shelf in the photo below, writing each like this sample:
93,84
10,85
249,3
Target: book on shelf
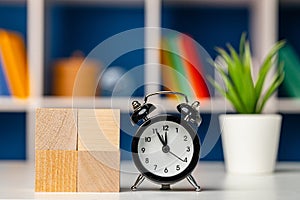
291,62
193,66
13,64
182,68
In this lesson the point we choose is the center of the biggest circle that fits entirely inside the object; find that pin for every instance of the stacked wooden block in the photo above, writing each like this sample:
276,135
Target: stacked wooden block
77,150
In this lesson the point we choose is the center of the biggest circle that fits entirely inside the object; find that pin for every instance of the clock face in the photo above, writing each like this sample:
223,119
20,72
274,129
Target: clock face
166,149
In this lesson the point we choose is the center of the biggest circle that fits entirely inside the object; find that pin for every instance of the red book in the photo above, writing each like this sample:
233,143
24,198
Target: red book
193,66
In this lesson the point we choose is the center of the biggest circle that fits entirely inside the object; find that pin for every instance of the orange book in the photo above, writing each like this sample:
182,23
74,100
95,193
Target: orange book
15,64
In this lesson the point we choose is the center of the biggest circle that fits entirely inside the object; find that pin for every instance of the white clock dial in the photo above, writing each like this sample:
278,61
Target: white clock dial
165,148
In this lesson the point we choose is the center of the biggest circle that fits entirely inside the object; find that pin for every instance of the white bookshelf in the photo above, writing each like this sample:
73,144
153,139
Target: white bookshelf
263,27
8,104
289,105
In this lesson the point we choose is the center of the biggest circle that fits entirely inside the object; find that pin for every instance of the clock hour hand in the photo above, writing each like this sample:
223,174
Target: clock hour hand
176,156
160,138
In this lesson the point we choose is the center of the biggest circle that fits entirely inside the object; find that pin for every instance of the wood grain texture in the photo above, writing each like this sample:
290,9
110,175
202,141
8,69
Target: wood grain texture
98,130
56,171
98,171
56,129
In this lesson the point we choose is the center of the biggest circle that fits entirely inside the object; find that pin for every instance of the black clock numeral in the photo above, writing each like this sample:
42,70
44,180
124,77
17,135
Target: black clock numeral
143,149
154,130
176,130
166,170
188,149
155,167
184,138
147,139
177,167
146,160
185,159
166,128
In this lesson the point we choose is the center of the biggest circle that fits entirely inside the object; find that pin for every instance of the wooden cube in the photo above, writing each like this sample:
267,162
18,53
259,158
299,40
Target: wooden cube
98,171
56,129
83,159
56,150
98,130
98,150
56,171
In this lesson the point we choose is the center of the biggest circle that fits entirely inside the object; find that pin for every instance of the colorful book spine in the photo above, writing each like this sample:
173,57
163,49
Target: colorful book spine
178,64
184,60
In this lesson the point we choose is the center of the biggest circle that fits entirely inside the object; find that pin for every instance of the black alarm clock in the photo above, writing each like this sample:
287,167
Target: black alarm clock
166,147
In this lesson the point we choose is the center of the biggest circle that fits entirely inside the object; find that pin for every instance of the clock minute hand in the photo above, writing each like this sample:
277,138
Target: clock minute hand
166,138
176,156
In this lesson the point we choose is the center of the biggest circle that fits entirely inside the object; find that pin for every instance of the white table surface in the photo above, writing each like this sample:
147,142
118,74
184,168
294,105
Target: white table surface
17,182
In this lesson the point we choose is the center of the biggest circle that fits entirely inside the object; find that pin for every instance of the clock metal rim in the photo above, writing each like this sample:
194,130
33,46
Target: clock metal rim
181,175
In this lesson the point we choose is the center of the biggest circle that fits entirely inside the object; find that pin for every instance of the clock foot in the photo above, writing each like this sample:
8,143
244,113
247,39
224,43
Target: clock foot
193,182
138,181
165,187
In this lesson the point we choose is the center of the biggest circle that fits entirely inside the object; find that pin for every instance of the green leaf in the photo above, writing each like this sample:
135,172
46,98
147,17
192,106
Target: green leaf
240,73
265,68
270,91
242,44
240,89
227,95
249,96
217,86
231,92
236,72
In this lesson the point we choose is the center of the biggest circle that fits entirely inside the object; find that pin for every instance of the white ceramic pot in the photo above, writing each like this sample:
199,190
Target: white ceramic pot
250,142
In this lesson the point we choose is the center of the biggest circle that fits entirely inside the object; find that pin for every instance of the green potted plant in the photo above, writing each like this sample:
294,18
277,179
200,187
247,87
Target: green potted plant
250,139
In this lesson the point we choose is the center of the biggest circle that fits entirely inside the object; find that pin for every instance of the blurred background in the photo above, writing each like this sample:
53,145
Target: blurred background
43,43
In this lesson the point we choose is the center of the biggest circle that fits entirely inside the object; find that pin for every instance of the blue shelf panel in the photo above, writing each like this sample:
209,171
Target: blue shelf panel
12,136
75,27
290,138
14,17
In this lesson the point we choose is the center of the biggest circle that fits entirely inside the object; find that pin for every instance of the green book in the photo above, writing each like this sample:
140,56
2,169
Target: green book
291,61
